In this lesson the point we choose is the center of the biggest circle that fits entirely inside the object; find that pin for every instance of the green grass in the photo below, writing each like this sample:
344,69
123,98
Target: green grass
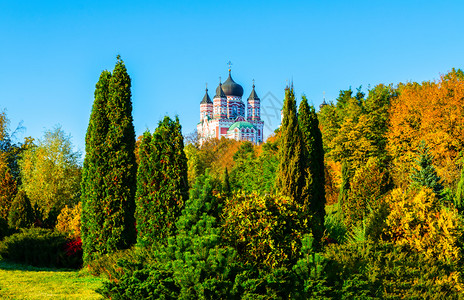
26,282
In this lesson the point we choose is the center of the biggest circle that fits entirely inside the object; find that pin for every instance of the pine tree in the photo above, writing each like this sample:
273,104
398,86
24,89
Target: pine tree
425,175
95,167
162,184
21,214
291,174
120,179
314,166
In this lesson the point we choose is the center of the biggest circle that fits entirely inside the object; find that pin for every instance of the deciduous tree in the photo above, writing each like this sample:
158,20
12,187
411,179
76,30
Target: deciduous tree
51,173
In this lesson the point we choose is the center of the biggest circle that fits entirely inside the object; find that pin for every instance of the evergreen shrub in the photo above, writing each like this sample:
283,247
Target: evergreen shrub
42,248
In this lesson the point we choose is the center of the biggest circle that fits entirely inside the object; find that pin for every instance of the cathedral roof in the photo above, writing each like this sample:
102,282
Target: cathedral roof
240,125
253,95
206,98
231,88
220,92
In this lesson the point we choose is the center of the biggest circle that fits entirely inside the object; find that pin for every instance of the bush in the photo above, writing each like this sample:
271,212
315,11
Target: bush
335,229
42,248
384,270
193,264
69,221
264,230
418,220
4,229
107,264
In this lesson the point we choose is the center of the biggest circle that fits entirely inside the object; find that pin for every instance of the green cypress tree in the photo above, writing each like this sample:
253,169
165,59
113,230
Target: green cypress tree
95,167
291,175
314,166
120,179
21,214
162,183
425,174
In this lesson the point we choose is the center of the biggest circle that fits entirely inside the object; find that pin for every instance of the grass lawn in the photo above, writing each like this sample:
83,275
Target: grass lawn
25,282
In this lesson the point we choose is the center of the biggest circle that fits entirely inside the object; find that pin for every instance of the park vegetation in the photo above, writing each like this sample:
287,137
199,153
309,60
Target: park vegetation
362,199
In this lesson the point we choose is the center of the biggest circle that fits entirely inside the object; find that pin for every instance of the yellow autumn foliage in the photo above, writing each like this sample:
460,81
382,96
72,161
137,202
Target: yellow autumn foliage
265,230
8,187
69,221
418,220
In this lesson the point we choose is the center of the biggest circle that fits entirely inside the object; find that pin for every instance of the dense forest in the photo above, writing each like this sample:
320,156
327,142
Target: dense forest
361,199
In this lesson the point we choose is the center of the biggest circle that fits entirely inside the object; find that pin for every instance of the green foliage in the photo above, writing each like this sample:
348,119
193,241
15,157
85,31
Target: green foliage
345,185
162,184
255,173
120,178
459,198
311,281
425,174
93,172
243,172
264,230
356,127
369,183
194,264
314,168
291,175
226,183
40,247
385,271
11,151
109,175
335,227
51,173
4,228
21,213
107,264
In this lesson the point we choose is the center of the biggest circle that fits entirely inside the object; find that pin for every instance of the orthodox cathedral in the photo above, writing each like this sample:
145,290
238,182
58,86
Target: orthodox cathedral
225,115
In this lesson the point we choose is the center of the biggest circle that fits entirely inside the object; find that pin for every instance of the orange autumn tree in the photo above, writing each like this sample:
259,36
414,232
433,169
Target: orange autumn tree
432,112
213,154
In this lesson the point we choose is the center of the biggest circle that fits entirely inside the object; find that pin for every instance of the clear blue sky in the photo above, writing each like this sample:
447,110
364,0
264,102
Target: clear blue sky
52,53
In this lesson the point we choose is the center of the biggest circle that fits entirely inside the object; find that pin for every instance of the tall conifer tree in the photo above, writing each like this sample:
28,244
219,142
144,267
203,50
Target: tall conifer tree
162,183
94,170
291,174
314,166
109,173
120,180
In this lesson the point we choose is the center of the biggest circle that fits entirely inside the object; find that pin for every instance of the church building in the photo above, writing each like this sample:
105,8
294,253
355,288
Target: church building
225,115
